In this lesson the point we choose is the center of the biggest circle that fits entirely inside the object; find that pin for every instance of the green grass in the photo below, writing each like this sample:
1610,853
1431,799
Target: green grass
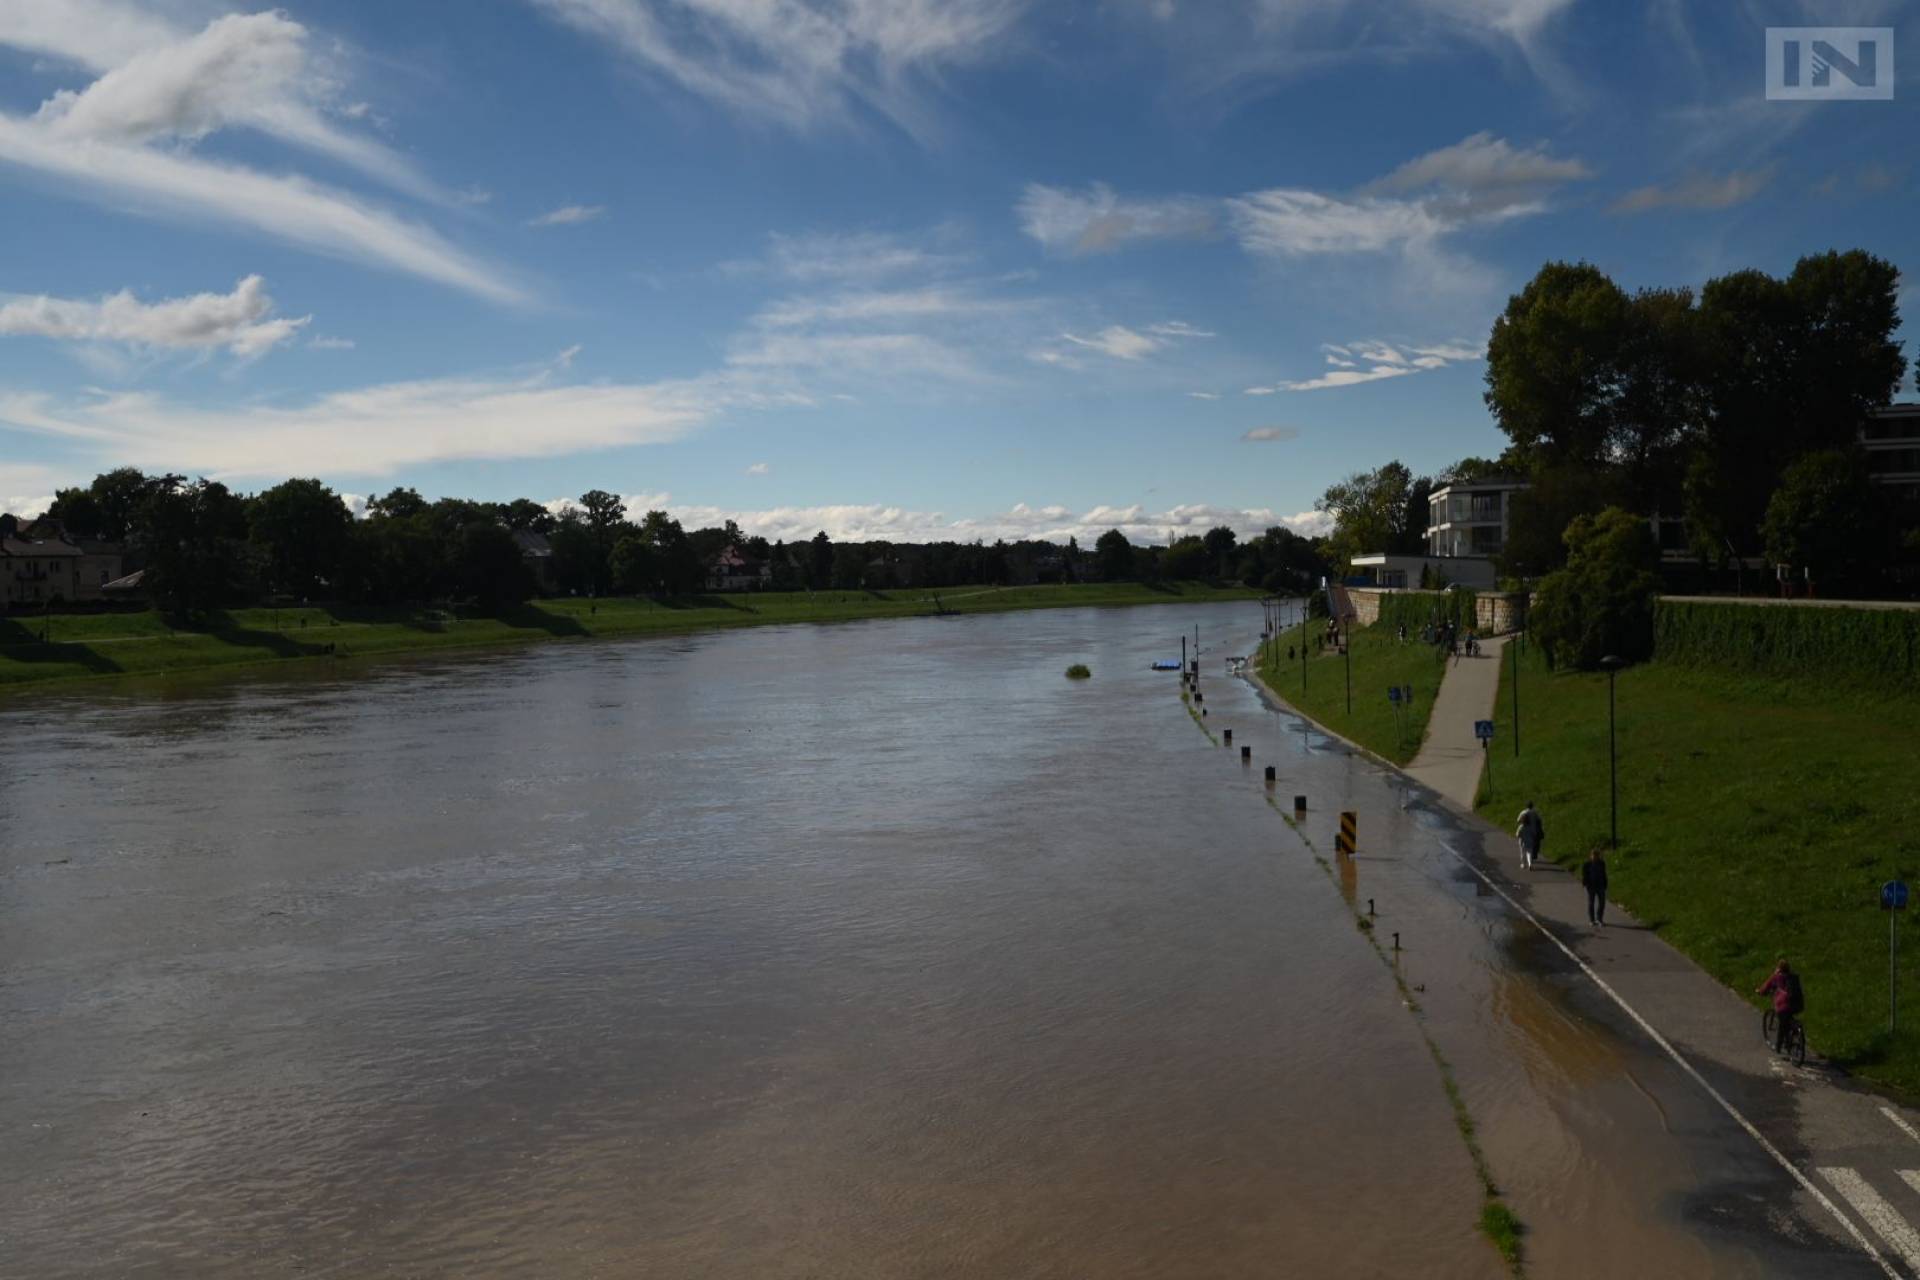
113,644
1379,660
1498,1224
1758,818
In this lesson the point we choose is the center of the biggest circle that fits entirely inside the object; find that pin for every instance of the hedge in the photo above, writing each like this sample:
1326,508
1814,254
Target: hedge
1790,640
1415,609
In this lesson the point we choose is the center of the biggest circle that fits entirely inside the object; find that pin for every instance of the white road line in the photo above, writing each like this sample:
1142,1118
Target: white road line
1911,1177
1901,1121
1807,1184
1880,1215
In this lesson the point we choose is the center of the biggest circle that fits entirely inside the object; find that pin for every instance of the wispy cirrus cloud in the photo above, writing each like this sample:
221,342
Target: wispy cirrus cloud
817,258
1117,342
126,139
1697,191
568,215
800,64
1259,435
1097,220
1355,363
240,322
379,429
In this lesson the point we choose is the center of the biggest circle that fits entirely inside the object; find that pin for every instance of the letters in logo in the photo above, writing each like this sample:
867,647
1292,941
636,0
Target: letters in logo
1830,63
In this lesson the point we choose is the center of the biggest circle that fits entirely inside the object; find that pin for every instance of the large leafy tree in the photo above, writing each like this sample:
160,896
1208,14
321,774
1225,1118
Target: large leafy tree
1825,519
1553,364
1371,512
304,528
195,537
1114,554
1601,603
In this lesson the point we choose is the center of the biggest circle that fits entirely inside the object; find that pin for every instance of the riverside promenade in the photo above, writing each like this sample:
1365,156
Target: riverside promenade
1450,759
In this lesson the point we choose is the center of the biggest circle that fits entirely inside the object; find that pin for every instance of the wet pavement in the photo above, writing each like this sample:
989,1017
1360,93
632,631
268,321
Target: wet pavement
878,949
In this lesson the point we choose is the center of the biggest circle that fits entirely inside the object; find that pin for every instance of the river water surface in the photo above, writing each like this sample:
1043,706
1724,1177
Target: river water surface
870,950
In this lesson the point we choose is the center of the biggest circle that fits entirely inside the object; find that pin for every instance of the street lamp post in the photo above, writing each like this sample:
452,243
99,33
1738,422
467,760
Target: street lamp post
1612,665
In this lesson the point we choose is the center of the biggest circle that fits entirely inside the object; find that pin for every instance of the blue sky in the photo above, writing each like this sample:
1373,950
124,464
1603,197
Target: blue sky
892,268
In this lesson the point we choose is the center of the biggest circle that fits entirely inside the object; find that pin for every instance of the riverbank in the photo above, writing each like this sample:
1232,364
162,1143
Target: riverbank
107,645
1318,686
1758,818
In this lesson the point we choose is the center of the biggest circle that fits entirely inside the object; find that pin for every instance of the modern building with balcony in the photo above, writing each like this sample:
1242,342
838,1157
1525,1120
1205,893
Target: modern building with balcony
1471,519
1891,441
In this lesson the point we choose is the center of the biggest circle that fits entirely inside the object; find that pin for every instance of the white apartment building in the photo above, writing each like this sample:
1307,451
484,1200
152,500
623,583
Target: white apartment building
1470,519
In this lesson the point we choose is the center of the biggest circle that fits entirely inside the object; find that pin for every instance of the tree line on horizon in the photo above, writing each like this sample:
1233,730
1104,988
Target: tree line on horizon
204,547
1737,411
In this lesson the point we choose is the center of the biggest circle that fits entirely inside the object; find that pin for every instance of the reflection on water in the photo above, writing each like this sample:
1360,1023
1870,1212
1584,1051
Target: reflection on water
878,949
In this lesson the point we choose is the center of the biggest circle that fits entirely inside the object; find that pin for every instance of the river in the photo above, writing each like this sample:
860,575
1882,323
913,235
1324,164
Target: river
878,949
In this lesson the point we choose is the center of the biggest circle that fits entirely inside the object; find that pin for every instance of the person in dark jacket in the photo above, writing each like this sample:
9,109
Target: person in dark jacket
1788,1002
1593,874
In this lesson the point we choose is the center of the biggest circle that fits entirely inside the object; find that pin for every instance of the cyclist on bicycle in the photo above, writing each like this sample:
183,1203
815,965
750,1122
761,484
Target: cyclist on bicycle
1788,1002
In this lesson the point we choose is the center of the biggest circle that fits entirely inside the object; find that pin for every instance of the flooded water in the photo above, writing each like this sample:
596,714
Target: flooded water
878,950
870,950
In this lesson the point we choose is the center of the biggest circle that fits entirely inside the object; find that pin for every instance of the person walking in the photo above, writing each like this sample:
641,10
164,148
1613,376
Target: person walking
1593,875
1531,832
1788,1002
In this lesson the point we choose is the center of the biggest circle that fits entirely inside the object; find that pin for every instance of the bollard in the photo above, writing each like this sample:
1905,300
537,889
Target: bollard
1370,906
1299,806
1226,737
1346,841
1246,755
1199,696
1396,942
1271,775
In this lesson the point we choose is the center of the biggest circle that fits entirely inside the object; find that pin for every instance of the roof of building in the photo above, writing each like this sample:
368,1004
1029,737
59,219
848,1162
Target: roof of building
132,582
24,547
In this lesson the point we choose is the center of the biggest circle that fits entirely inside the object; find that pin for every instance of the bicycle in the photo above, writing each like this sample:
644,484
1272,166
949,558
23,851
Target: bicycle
1796,1050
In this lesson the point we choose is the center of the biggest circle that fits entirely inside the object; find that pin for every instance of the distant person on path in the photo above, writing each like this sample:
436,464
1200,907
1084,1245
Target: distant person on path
1788,1002
1531,832
1593,874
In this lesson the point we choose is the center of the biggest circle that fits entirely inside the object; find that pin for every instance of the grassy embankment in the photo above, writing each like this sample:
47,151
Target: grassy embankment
110,644
1379,660
1758,818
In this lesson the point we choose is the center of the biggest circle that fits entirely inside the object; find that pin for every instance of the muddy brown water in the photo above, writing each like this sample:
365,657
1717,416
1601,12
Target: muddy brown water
869,950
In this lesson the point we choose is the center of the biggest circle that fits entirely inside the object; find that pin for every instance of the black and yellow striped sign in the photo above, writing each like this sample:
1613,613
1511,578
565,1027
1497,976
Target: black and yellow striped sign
1347,840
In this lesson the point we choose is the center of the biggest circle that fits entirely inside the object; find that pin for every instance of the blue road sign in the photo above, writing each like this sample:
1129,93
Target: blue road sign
1393,693
1483,730
1893,895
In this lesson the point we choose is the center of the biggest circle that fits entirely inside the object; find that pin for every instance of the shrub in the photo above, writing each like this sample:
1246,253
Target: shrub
1078,671
1602,602
1789,640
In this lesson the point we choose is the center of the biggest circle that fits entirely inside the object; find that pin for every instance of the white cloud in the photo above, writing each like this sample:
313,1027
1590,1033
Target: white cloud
26,489
568,215
1290,223
327,342
1482,176
1272,433
850,256
870,306
1370,360
96,34
1117,341
290,208
867,522
241,322
759,469
1697,191
891,355
1179,329
252,71
1096,220
379,429
1204,395
799,64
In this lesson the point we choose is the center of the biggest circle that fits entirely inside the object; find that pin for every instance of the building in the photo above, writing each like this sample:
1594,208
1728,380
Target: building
732,570
1471,519
1891,440
1382,569
40,564
537,554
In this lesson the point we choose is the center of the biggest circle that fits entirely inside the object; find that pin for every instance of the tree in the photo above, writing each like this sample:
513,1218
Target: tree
401,504
195,535
820,561
603,513
525,513
677,565
1114,554
849,566
488,567
1369,510
635,567
1219,541
1185,559
1538,516
575,558
1553,364
1601,603
78,512
303,527
1824,519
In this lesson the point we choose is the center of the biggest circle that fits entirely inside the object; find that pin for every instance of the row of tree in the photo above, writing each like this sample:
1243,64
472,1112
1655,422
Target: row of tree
204,547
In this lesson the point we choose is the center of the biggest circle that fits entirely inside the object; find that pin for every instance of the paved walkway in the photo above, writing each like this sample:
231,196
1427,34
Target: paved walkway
1449,760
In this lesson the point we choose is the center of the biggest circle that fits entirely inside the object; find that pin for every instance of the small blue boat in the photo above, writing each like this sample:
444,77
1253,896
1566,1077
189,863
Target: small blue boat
1166,664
